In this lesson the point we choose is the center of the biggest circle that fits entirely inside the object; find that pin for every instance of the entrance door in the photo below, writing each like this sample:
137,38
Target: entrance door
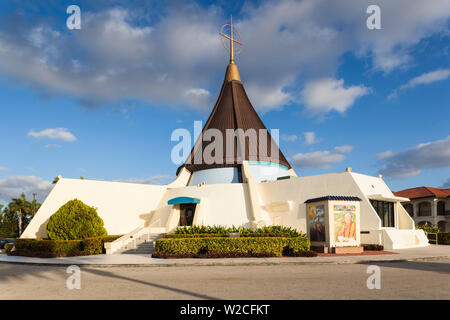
187,211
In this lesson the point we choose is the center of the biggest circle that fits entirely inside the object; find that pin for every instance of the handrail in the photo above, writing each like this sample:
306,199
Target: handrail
111,247
126,239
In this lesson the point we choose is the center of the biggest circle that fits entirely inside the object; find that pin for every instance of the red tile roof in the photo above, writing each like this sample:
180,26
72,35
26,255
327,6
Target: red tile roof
423,192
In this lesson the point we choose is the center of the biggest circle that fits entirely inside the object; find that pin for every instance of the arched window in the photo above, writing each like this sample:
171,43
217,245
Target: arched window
441,208
409,208
442,225
424,209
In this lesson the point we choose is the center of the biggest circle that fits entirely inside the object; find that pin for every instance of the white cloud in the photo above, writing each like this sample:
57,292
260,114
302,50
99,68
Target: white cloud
122,57
3,168
55,134
320,159
157,179
310,138
324,95
344,148
12,187
426,78
412,161
289,138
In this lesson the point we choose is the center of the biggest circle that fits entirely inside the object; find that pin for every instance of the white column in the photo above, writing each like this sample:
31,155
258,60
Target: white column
434,211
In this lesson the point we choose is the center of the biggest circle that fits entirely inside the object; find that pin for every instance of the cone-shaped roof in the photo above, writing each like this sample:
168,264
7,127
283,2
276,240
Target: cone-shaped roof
233,110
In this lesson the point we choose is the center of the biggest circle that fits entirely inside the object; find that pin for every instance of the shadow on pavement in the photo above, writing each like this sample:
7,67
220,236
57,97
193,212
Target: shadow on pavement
156,285
437,266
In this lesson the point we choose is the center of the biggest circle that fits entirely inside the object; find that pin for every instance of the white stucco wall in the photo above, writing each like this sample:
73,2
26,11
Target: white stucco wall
221,204
298,190
122,206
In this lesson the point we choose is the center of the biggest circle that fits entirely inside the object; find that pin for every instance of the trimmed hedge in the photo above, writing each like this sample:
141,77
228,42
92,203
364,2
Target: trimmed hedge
61,248
243,231
164,255
75,221
245,245
224,235
444,238
372,247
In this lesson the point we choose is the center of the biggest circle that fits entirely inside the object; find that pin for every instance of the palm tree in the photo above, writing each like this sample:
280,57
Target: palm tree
22,208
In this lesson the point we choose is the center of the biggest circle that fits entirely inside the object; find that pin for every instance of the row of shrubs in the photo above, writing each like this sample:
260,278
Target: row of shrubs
225,235
242,231
443,237
373,247
165,255
44,248
273,246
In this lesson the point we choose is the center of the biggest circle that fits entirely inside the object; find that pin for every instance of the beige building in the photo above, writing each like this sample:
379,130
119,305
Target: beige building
427,204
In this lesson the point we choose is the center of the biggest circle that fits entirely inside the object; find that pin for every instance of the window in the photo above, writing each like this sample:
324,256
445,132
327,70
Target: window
385,211
441,208
424,209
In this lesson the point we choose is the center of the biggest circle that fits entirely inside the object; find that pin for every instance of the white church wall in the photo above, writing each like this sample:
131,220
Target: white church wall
122,206
220,204
298,190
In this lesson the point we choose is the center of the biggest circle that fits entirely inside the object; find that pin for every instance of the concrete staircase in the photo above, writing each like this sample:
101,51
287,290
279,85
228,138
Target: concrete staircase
146,246
139,241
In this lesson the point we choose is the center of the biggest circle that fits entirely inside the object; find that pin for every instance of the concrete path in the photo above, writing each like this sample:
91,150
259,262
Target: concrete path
432,252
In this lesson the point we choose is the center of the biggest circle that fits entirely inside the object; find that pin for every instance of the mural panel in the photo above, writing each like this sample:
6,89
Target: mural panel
317,223
345,223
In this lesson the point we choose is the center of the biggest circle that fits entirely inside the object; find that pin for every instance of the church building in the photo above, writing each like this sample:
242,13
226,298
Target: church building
245,181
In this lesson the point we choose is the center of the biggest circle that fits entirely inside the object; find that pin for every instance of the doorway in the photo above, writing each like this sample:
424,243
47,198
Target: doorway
187,211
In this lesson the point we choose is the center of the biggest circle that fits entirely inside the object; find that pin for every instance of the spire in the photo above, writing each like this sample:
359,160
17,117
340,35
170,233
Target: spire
233,110
233,38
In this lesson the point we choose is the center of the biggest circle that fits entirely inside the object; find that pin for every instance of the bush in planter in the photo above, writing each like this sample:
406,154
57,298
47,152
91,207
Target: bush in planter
75,221
252,245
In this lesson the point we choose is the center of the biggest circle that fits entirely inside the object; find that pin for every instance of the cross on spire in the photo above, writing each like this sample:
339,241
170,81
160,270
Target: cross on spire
231,38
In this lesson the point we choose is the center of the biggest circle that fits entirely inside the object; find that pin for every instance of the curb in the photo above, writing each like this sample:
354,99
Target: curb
227,264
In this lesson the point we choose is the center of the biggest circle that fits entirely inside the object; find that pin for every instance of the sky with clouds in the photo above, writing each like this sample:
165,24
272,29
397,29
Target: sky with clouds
101,102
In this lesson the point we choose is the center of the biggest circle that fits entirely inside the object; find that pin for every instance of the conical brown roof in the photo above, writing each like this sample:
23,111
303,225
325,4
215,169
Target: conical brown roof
233,110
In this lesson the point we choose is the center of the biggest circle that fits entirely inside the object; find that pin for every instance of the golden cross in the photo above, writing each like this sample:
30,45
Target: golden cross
231,38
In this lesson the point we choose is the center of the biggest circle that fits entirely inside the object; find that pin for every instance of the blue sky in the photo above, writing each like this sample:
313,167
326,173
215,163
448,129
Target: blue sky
102,102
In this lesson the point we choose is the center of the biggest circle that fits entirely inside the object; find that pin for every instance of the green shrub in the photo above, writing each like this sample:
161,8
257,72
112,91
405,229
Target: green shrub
8,247
256,245
428,228
444,238
242,231
224,235
75,221
372,247
61,248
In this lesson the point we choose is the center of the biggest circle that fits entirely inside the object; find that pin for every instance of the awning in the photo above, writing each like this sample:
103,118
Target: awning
179,200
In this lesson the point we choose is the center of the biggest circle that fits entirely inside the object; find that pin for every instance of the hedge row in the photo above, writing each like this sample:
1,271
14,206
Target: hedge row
444,238
241,230
255,245
224,235
372,247
61,248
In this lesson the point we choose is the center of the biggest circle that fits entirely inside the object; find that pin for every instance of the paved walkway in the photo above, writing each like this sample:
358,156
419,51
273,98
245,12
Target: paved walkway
432,252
